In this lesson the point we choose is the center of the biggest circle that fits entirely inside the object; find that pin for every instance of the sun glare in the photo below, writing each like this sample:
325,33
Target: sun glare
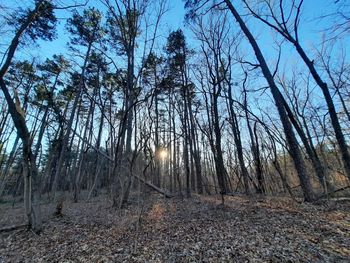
163,154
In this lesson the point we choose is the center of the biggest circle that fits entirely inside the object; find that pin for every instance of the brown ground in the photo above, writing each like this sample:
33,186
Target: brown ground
193,230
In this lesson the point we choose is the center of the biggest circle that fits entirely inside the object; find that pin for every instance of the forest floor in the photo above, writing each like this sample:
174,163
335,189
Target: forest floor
190,230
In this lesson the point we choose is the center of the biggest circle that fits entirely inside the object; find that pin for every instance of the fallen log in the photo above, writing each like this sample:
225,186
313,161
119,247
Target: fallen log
333,192
13,227
156,188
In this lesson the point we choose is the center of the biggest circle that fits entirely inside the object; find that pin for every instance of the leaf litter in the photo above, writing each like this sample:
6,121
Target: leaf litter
198,229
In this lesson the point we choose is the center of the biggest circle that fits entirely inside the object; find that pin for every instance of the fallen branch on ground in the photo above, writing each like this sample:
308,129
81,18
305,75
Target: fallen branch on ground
333,192
11,228
156,188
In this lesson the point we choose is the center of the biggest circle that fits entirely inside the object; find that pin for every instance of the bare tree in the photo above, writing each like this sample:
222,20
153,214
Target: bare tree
285,21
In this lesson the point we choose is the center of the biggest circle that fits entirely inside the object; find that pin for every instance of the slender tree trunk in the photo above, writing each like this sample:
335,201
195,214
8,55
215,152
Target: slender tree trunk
185,148
238,142
30,174
8,165
254,146
257,161
81,155
156,140
62,155
97,164
288,130
196,154
41,132
331,108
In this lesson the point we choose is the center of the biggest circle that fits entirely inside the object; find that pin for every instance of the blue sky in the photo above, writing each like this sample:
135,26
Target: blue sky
311,32
172,20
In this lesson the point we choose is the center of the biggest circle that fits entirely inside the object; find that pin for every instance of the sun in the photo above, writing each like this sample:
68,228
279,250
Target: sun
163,154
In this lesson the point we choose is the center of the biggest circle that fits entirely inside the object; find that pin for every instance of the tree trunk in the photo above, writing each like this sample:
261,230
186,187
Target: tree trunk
237,139
288,130
331,108
30,173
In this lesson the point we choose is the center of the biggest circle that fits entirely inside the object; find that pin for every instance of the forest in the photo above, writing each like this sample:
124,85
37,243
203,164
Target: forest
174,131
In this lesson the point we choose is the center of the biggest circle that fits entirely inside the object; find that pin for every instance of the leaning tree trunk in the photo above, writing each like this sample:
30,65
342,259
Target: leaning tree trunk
293,144
217,148
238,141
30,173
331,108
65,141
